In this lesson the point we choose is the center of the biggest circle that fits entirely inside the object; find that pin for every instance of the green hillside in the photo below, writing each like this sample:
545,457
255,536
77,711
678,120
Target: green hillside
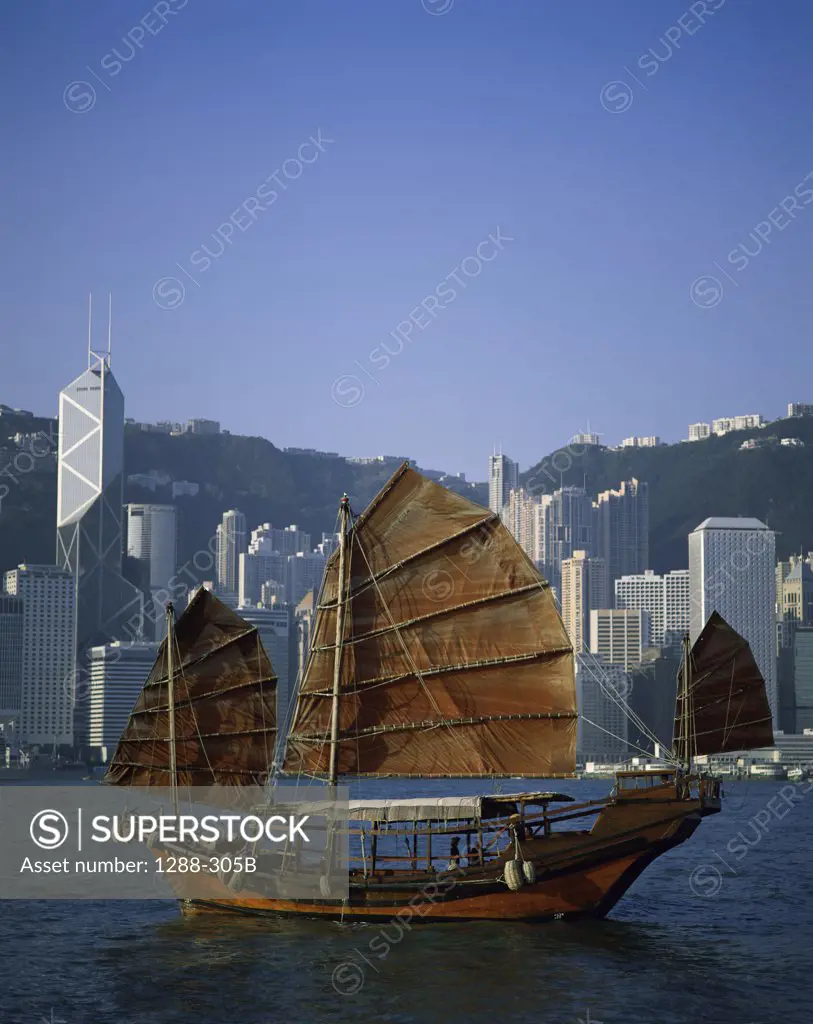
687,483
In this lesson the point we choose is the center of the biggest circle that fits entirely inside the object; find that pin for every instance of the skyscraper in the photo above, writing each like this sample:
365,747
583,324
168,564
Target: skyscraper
520,520
622,529
11,658
732,572
666,598
90,494
503,477
152,540
568,528
48,653
584,587
231,543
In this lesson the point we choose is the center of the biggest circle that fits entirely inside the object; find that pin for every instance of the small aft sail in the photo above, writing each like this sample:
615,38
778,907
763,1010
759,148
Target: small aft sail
225,706
453,660
728,706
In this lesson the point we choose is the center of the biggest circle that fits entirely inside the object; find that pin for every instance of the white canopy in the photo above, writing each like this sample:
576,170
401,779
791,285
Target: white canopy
444,808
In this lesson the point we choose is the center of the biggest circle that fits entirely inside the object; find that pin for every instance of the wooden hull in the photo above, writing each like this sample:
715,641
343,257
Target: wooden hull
578,874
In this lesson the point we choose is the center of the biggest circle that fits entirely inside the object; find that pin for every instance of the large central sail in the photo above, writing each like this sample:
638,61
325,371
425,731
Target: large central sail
224,701
454,660
728,705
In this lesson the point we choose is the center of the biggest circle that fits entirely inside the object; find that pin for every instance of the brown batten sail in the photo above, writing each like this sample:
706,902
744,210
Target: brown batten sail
454,660
728,705
225,706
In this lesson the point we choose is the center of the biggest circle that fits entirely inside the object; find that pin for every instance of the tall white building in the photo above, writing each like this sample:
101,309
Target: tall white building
584,587
118,672
48,596
620,636
725,424
152,539
503,477
699,431
520,520
231,543
666,598
732,571
89,506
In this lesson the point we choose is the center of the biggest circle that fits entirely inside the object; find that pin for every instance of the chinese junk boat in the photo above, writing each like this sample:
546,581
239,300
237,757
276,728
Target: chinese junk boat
436,652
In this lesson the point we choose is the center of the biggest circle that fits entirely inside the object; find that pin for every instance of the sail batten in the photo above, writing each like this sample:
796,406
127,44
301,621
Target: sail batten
370,581
454,660
220,723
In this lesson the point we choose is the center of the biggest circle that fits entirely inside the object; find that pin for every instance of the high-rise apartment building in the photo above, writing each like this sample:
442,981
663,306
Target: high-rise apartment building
117,673
568,528
620,636
799,409
503,477
666,598
699,431
726,424
90,485
152,540
584,588
521,521
231,543
305,572
48,596
732,571
622,529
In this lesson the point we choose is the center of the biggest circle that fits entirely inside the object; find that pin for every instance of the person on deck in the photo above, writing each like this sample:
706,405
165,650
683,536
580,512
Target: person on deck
454,855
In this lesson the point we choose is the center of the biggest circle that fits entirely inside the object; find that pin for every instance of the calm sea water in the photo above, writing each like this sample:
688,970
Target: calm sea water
719,929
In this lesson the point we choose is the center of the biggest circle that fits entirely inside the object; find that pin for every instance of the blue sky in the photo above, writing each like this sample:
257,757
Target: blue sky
437,130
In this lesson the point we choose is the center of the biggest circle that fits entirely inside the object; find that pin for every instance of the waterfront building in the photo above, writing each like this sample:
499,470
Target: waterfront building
49,676
117,673
11,658
732,571
603,723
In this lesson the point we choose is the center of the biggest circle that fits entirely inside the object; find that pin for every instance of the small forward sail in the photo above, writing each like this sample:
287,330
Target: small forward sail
452,657
224,696
728,707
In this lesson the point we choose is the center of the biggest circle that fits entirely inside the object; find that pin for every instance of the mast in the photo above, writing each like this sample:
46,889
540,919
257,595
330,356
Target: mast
173,752
344,515
686,716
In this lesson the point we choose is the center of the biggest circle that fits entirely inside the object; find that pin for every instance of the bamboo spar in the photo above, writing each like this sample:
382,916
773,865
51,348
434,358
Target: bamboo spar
344,514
